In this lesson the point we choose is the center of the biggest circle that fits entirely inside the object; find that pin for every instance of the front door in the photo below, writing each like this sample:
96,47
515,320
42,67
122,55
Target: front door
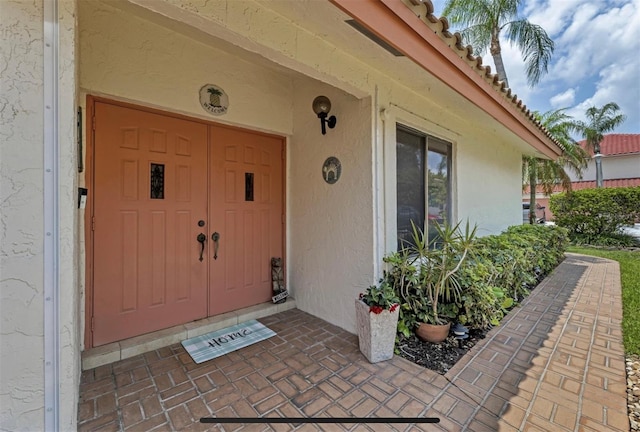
247,217
186,219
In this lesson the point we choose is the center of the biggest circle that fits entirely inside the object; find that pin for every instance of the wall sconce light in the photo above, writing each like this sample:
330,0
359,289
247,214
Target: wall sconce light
321,106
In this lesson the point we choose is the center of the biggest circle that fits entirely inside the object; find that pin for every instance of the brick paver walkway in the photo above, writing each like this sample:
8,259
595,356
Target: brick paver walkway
556,363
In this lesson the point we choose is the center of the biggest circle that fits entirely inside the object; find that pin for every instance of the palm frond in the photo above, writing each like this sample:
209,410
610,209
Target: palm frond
599,122
536,47
547,174
468,13
478,36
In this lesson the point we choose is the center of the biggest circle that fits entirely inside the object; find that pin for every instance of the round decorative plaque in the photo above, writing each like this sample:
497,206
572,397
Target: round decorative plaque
331,170
214,100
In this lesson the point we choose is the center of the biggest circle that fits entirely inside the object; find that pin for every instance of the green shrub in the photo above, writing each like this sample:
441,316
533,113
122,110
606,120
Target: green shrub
595,216
504,268
481,302
499,273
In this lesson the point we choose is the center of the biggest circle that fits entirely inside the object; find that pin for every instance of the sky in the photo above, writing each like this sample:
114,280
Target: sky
596,58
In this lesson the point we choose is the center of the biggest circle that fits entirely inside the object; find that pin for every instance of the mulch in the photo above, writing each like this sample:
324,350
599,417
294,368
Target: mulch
439,357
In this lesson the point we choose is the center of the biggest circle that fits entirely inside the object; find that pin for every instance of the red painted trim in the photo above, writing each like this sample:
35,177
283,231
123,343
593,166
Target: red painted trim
394,22
88,233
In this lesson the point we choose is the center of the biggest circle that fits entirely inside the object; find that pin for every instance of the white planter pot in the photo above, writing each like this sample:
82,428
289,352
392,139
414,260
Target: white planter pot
376,332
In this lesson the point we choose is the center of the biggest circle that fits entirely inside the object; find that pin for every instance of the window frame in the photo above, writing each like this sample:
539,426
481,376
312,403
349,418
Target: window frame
440,146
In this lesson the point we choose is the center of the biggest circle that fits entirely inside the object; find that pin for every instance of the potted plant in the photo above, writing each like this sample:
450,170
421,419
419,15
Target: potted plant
377,320
436,289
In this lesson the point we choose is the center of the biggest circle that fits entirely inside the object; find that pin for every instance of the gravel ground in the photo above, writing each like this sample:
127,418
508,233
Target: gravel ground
633,391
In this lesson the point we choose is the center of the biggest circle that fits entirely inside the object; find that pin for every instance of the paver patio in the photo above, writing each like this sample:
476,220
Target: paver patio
556,363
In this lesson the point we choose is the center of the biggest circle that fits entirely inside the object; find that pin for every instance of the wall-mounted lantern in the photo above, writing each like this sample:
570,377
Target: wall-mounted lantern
321,106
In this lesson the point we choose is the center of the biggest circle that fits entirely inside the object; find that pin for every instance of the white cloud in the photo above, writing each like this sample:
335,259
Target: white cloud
595,61
552,15
613,86
564,99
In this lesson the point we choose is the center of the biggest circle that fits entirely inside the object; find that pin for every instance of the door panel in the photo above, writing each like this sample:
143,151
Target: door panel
246,208
150,192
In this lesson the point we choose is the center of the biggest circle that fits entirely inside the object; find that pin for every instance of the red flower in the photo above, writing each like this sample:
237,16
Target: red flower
393,307
375,309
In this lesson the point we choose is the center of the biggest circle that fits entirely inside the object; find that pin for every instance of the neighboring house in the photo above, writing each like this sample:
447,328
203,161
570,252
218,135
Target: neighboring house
196,118
620,168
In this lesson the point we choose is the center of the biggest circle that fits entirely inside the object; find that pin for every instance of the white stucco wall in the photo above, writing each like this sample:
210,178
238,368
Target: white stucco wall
613,167
488,175
132,59
330,226
21,218
69,230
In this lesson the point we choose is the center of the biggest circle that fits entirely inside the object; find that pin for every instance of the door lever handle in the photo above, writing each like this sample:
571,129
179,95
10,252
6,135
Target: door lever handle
216,243
201,239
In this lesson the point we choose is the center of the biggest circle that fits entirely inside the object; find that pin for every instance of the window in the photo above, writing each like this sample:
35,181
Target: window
423,182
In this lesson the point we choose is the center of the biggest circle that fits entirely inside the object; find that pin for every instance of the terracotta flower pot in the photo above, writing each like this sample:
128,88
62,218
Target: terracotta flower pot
433,333
376,332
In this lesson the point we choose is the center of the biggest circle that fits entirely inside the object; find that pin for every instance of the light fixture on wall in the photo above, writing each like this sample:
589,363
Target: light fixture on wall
321,106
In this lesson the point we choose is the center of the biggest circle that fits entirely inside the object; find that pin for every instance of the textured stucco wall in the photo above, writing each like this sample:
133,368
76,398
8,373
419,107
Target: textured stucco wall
130,58
488,175
330,226
21,218
69,231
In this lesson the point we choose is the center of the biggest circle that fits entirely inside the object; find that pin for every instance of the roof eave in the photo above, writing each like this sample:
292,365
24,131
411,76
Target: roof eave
399,26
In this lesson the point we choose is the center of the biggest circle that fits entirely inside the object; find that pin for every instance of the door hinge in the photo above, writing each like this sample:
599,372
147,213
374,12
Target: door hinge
93,223
93,323
93,122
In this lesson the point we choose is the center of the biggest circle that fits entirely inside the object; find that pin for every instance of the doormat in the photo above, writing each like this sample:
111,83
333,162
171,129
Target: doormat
221,342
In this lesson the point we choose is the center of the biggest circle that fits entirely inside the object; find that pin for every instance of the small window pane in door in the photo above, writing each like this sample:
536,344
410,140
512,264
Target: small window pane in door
157,181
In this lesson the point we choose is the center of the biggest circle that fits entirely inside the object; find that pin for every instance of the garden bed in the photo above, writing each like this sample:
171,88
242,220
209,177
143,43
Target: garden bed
437,357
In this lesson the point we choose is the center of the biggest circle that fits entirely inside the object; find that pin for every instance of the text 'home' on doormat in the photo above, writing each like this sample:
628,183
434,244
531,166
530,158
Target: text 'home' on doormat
221,342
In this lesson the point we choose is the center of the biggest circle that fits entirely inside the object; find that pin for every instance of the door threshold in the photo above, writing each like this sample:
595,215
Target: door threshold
134,346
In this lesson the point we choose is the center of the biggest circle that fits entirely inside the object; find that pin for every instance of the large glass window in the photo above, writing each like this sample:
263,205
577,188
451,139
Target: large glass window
423,182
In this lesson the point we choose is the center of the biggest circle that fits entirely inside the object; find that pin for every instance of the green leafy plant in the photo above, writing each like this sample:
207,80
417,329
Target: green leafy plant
503,269
496,272
437,261
595,216
380,297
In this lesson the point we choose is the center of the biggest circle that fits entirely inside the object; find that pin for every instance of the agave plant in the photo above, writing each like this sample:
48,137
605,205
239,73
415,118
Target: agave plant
437,262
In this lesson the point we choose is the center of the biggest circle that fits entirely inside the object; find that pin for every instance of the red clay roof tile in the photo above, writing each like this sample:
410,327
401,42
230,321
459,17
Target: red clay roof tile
591,184
617,144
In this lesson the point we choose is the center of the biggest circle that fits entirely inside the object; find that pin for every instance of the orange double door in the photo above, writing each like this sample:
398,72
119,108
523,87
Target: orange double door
186,218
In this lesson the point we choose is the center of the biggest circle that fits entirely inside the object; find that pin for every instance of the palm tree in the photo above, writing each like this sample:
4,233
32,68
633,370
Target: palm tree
487,20
599,122
547,173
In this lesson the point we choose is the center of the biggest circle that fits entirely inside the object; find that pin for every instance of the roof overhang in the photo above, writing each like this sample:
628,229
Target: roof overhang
396,24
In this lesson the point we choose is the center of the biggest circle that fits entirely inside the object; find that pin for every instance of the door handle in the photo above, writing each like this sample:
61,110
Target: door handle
201,239
216,243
